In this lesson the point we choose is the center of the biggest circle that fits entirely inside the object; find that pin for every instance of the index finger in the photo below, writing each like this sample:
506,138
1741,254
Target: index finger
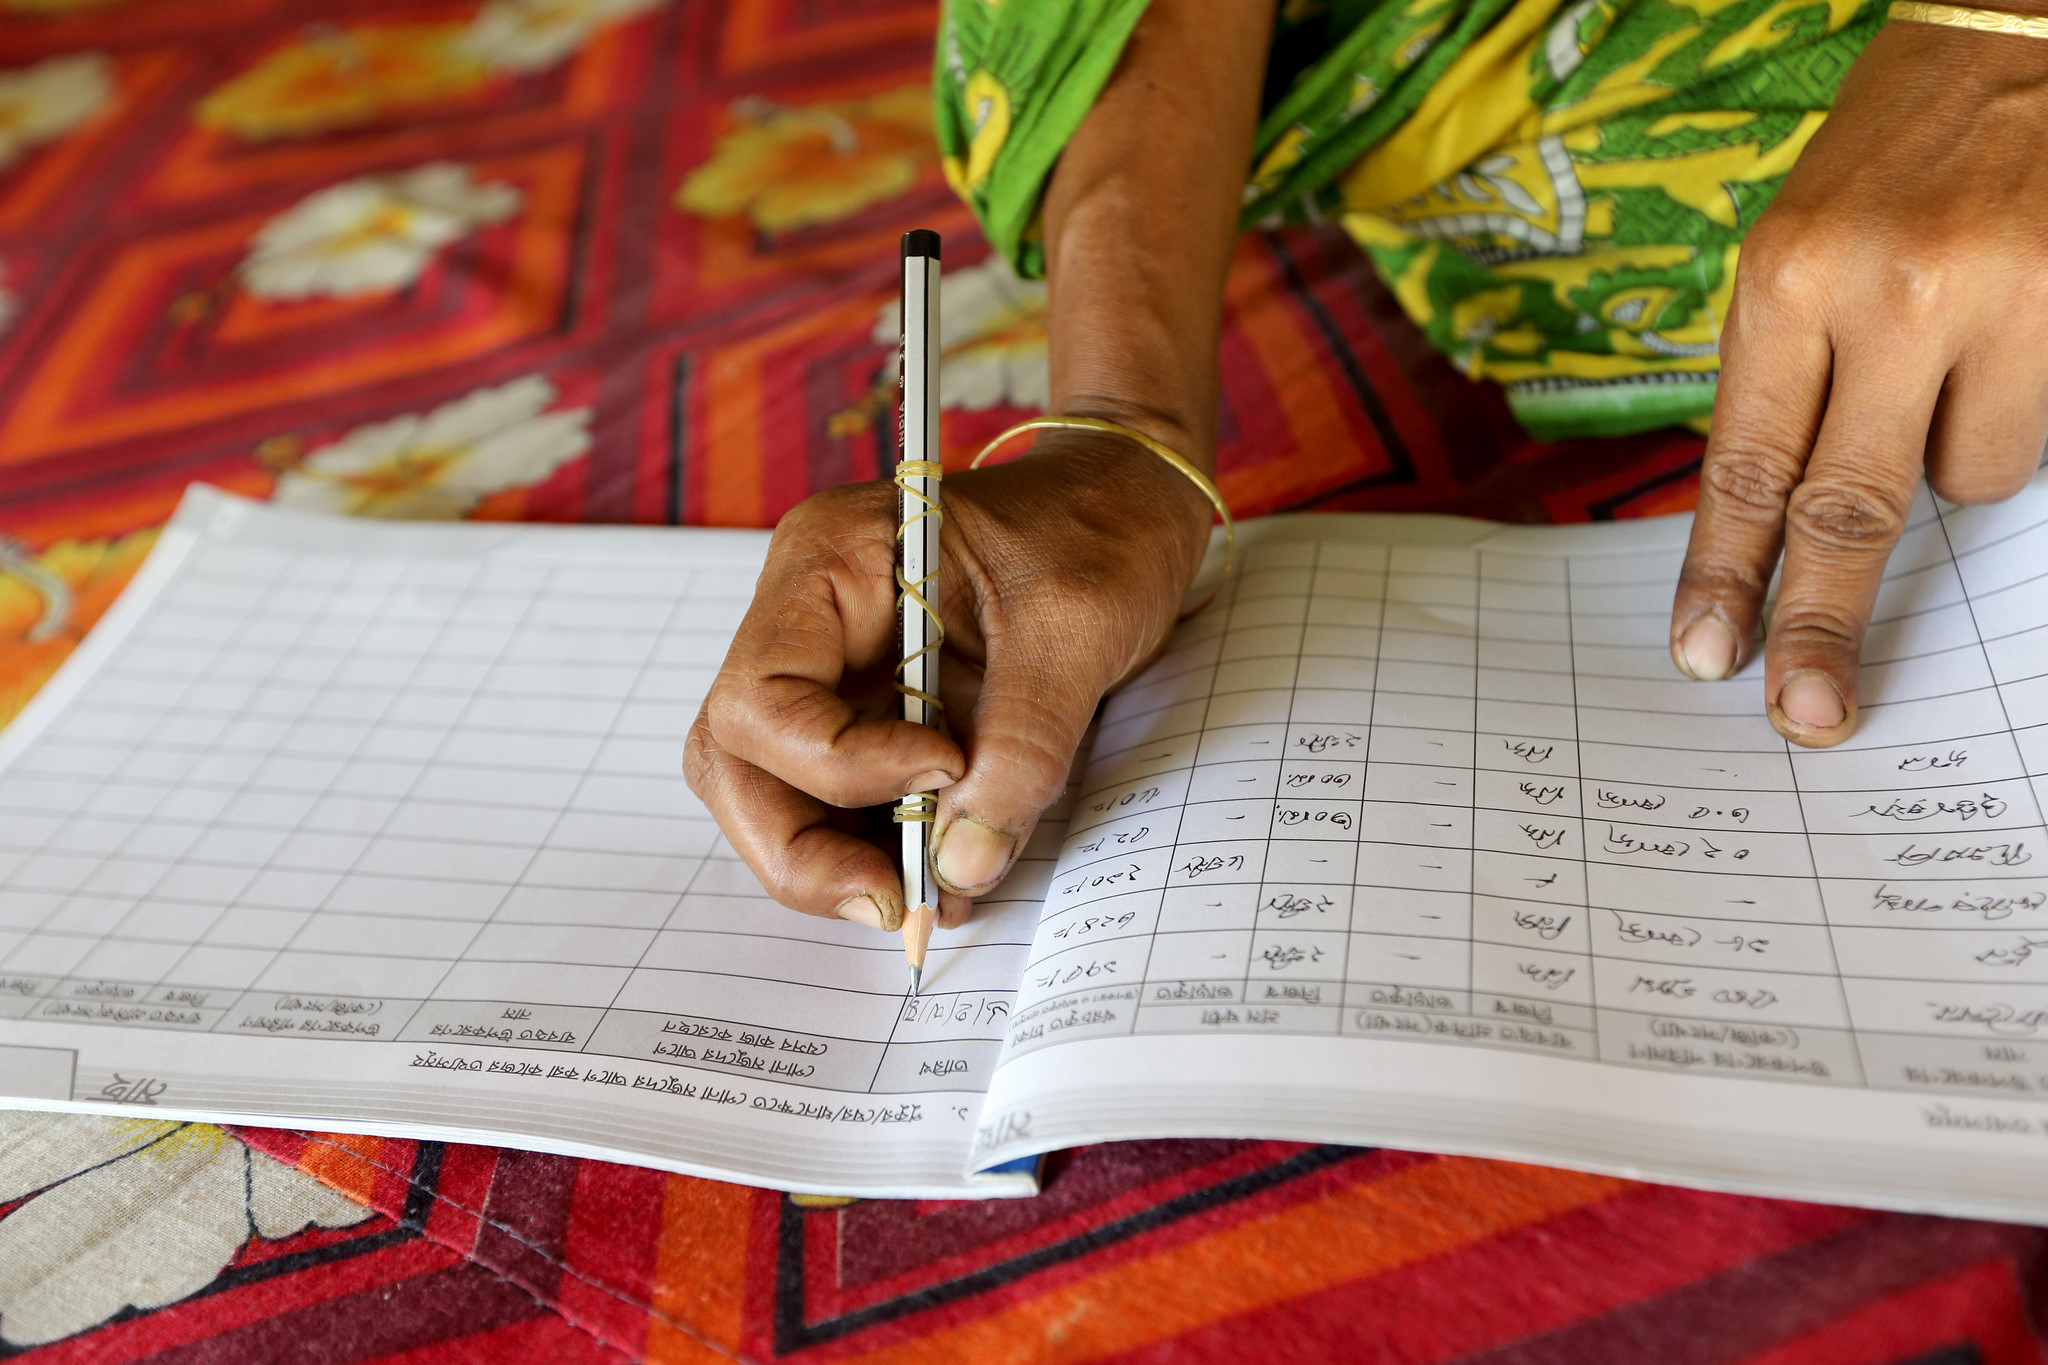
825,605
786,841
1775,362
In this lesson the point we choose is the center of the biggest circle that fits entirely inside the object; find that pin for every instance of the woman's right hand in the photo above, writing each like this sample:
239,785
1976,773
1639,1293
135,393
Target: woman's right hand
1061,575
1061,572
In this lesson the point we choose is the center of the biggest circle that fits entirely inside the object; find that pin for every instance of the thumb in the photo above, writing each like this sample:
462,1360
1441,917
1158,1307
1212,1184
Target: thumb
1035,702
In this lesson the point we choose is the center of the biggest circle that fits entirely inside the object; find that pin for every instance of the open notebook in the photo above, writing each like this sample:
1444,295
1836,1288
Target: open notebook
1412,837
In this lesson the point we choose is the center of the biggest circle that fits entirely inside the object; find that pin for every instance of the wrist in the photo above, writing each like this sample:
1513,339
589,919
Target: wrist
1175,425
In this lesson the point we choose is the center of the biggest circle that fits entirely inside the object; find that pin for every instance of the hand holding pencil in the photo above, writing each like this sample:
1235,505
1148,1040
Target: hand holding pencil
1064,571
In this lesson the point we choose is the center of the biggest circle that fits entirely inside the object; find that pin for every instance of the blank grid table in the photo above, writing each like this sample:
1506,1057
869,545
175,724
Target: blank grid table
437,799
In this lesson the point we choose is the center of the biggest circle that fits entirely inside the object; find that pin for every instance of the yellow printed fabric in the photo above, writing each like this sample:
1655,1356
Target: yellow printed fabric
1556,190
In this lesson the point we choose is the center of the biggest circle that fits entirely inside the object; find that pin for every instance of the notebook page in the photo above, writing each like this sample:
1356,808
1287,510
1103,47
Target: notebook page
383,827
1415,837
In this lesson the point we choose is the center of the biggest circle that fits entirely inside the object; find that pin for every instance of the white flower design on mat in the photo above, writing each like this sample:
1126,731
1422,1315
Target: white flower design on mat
375,232
43,102
439,465
532,35
991,338
133,1213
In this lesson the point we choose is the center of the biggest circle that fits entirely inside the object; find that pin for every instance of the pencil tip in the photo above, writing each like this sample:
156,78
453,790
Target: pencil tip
916,980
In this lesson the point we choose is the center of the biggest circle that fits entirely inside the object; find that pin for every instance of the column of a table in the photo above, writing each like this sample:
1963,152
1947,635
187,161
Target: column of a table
327,958
122,755
1710,946
1302,944
248,791
638,771
1104,904
1409,972
538,970
559,954
1928,822
1196,972
1532,969
2008,598
257,778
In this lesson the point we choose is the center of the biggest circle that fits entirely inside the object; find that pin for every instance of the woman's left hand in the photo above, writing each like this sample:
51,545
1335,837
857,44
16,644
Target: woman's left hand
1890,314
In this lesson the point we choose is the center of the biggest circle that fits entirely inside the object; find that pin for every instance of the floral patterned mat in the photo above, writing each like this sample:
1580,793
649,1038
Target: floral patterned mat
106,1216
132,1240
632,260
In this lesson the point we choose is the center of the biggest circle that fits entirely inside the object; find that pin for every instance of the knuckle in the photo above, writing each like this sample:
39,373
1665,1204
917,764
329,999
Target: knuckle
1846,514
1785,256
1777,271
1723,581
850,870
833,506
1917,285
725,715
797,529
1815,628
1043,764
846,527
1751,478
769,710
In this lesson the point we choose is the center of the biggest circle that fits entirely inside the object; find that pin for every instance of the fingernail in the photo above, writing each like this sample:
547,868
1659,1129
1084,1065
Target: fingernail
861,910
971,854
1708,649
1810,699
929,782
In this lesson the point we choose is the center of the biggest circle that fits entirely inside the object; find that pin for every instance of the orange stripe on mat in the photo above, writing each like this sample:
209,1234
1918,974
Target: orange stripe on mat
735,423
345,1161
1353,1233
700,1270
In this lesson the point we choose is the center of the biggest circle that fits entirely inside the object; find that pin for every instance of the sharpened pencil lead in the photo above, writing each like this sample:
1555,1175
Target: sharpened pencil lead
917,933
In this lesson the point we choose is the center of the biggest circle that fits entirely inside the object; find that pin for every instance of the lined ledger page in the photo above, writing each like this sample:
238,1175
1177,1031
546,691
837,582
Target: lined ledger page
384,827
1414,836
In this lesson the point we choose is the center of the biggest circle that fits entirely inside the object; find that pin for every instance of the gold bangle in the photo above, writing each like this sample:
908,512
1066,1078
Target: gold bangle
1982,20
1164,452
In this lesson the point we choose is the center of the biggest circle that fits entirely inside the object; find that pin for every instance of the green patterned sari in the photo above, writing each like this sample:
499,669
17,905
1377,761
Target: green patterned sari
1556,190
